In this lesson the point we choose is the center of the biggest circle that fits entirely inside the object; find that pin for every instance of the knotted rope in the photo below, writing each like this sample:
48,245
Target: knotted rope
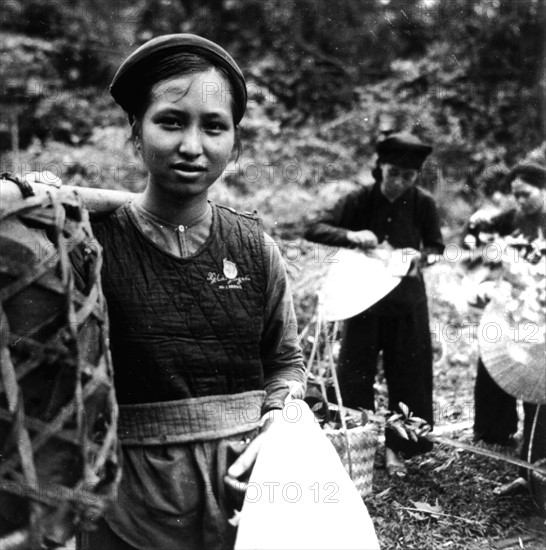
58,414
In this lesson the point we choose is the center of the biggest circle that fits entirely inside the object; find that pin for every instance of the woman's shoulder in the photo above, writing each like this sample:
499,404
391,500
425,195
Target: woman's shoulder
109,217
228,211
355,197
248,221
245,227
104,224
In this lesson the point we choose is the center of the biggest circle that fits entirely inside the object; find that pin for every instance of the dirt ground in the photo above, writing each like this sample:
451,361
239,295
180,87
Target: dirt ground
458,484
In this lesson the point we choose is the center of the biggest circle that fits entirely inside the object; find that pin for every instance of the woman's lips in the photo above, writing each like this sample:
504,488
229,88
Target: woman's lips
189,170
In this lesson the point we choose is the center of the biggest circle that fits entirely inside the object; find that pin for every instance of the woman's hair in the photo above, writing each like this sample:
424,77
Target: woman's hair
377,172
169,56
530,172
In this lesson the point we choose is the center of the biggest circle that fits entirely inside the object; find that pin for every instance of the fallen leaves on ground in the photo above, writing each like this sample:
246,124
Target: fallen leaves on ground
452,507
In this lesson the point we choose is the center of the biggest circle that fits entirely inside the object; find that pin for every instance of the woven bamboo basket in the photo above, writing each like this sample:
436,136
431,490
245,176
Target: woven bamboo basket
58,413
356,448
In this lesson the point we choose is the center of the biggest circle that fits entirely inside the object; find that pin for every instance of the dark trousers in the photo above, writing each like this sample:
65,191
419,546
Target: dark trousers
496,418
495,412
407,360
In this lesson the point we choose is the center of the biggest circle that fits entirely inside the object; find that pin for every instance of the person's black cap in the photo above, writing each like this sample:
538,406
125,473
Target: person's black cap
129,76
403,150
530,172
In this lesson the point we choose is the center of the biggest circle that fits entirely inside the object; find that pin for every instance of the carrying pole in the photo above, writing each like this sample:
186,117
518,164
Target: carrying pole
486,452
96,201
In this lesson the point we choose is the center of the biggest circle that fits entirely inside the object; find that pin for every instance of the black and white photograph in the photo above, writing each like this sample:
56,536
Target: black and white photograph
273,274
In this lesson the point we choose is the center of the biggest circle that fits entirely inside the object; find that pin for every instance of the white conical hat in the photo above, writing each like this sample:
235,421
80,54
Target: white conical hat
356,280
514,354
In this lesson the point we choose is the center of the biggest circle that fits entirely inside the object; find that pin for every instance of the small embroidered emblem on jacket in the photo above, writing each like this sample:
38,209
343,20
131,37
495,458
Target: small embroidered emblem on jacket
230,269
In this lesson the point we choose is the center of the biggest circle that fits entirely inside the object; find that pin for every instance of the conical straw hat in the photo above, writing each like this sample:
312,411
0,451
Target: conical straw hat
514,354
356,280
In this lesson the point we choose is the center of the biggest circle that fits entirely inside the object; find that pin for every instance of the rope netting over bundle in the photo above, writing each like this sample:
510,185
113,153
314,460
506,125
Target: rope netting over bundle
58,414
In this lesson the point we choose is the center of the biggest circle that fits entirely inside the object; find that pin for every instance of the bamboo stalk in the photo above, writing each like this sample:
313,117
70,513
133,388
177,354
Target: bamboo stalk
97,201
101,200
488,453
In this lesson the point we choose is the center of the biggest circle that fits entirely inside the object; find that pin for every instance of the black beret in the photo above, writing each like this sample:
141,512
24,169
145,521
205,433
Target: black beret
128,77
530,172
403,150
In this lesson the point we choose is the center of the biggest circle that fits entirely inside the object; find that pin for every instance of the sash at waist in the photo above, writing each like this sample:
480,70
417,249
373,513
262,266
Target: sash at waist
189,420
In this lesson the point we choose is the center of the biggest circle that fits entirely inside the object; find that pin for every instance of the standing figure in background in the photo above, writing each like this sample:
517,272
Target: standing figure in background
496,417
203,333
397,213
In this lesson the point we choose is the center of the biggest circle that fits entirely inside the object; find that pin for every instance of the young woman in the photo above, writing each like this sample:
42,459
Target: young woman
397,212
203,332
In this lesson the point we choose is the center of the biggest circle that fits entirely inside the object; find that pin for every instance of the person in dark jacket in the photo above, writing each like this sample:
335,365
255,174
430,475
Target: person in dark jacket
495,411
203,332
397,212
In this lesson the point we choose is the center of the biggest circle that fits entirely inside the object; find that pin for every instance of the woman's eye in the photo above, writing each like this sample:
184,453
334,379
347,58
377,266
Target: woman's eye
170,122
215,127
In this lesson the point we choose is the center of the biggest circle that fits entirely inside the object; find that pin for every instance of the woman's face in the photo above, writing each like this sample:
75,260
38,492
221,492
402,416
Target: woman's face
396,180
187,134
530,199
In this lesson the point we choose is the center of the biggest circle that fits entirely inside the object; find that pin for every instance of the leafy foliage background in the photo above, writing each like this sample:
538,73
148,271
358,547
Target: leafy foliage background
325,78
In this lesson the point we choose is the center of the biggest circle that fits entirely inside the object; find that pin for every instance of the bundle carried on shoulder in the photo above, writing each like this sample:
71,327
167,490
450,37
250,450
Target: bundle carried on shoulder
58,414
